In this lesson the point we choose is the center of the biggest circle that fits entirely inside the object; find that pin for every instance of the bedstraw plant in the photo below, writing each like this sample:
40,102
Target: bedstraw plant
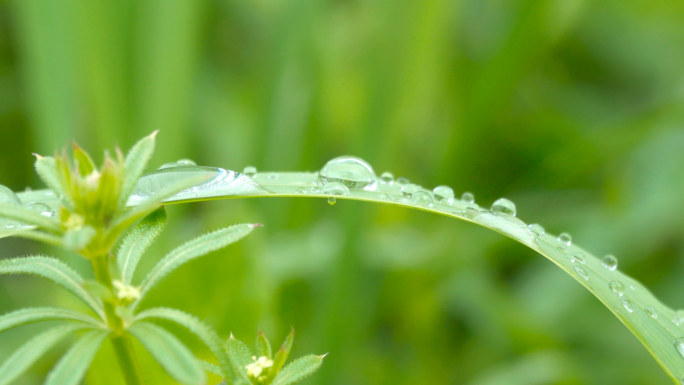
98,213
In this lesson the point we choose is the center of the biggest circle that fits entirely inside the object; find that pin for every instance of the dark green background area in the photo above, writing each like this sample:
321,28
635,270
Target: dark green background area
573,109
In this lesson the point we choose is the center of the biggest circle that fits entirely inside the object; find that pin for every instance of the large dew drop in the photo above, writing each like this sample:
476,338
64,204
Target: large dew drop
503,206
617,288
537,229
609,262
565,239
354,173
443,194
334,188
250,171
468,197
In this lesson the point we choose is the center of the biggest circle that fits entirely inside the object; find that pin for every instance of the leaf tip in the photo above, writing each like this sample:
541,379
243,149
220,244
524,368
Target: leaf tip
255,225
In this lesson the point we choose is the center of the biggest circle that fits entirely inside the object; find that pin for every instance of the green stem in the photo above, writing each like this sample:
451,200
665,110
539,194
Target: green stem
122,345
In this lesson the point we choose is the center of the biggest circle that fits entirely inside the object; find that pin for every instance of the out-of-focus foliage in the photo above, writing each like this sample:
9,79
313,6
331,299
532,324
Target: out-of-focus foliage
573,109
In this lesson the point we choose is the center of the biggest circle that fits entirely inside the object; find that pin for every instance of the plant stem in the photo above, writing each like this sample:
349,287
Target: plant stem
122,345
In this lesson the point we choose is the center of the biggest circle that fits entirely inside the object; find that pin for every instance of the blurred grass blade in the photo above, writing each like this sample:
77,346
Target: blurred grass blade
194,325
190,250
298,369
73,365
27,216
281,355
46,167
263,346
175,357
54,270
37,314
22,358
211,368
137,241
136,161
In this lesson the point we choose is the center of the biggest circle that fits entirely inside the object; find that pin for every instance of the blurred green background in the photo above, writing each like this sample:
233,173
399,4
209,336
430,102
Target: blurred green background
573,109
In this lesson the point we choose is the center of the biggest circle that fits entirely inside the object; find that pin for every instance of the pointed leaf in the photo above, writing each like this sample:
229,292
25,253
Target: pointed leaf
22,358
197,327
54,270
135,163
263,346
175,357
240,356
84,163
37,314
73,365
190,250
281,355
211,368
27,216
46,167
137,241
299,369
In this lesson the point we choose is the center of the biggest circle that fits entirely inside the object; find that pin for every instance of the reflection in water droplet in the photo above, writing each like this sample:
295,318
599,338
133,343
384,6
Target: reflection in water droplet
679,345
503,206
387,177
422,198
185,162
468,197
537,229
678,317
444,194
403,180
565,239
42,209
627,305
332,201
609,262
617,288
351,171
582,272
577,258
334,188
8,196
250,171
168,165
408,190
651,311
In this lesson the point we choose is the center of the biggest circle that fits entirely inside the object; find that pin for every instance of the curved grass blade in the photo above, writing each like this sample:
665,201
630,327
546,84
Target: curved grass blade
175,357
659,328
137,241
22,358
191,250
73,365
54,270
37,314
197,327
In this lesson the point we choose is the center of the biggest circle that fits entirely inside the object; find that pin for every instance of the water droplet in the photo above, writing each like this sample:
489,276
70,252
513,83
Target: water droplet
651,311
42,209
503,206
679,345
315,190
185,162
334,188
565,239
408,190
250,171
577,258
387,177
537,229
617,288
609,262
351,171
403,180
8,196
582,272
332,201
468,197
678,317
627,305
168,165
422,198
444,194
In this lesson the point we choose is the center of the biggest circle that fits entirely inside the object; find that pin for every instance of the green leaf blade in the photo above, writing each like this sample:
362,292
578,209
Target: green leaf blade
134,164
54,270
240,356
137,241
299,369
73,365
172,354
191,250
38,314
22,358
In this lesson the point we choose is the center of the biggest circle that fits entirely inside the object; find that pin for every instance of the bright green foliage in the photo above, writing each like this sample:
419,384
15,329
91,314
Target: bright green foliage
262,368
72,366
37,314
137,241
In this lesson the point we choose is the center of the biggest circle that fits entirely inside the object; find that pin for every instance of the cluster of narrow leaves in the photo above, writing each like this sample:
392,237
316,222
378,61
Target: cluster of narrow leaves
91,218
